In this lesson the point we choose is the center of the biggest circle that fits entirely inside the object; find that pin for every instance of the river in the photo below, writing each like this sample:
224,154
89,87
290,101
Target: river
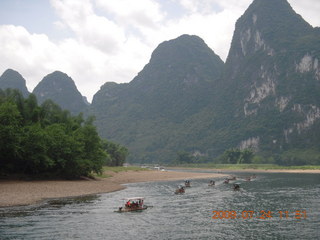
271,206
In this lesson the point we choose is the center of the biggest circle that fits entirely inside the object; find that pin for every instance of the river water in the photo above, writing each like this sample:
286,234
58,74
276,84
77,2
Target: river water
272,206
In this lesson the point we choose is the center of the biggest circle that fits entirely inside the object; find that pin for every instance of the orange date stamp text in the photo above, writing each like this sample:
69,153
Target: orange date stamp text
262,214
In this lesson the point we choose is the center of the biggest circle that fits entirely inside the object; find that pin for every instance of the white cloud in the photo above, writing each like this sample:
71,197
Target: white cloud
89,28
215,29
309,9
35,56
209,7
142,13
28,53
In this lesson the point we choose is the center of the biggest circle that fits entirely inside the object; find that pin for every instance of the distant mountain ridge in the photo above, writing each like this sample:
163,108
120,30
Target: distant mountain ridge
12,79
57,86
146,113
61,89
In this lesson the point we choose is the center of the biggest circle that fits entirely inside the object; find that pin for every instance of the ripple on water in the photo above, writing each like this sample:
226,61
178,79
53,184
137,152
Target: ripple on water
186,216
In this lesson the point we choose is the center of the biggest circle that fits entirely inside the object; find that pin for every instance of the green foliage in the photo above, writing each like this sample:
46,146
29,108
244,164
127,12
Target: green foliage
116,154
123,169
299,157
249,166
237,156
184,157
246,156
34,145
10,136
47,141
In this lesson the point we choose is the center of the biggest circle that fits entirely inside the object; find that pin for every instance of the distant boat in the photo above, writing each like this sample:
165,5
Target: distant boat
232,178
180,190
211,183
187,183
236,186
133,204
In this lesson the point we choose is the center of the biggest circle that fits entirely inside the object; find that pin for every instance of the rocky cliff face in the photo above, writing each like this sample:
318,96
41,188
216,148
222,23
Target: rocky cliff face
13,79
273,66
61,89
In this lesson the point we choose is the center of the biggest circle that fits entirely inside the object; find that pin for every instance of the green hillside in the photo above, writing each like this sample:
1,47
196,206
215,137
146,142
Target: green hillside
265,97
61,89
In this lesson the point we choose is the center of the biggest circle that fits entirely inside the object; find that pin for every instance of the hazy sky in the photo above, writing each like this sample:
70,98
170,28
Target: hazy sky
98,41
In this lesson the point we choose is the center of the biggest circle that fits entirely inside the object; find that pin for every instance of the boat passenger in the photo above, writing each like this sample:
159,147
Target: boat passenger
236,186
211,183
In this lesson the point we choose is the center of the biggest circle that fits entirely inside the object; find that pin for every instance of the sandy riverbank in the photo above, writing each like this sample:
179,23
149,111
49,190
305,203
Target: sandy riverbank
14,193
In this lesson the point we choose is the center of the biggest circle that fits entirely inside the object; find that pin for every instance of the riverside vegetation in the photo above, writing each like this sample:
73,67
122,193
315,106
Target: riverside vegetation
46,141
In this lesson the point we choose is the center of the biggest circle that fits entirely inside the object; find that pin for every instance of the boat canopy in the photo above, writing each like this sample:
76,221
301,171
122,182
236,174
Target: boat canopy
134,198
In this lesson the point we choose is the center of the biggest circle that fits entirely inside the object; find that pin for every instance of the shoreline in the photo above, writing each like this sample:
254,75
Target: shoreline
225,170
22,193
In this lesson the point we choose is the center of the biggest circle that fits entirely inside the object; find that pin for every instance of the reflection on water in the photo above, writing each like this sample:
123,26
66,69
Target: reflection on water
187,216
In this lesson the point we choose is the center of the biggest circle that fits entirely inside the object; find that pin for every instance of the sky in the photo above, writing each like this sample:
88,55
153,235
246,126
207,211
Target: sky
98,41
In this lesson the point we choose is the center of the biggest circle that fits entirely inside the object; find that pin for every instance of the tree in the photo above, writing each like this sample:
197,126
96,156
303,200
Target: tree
237,156
34,144
92,148
31,109
10,136
184,157
116,154
47,141
233,155
246,156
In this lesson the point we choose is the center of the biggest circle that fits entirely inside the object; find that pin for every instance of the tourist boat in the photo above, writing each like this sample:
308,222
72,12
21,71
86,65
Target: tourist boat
250,177
180,190
211,183
236,186
187,183
232,178
133,204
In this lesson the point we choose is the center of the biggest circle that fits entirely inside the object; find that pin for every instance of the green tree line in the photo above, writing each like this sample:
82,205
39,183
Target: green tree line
237,156
47,141
230,156
292,157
